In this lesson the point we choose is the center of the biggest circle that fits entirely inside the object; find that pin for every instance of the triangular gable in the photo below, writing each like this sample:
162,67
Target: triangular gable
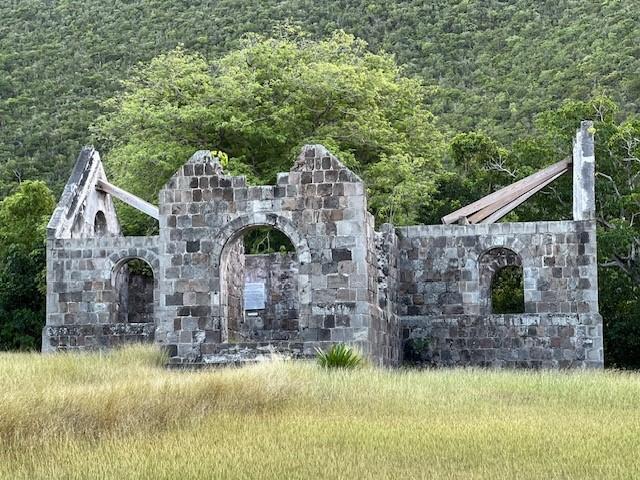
317,157
79,203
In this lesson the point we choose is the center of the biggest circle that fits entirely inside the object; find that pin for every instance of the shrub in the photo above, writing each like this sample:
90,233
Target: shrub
339,356
416,351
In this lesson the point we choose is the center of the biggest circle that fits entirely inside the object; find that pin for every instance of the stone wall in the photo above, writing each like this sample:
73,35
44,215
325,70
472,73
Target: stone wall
320,205
232,292
82,291
386,334
513,340
279,275
445,291
440,274
421,290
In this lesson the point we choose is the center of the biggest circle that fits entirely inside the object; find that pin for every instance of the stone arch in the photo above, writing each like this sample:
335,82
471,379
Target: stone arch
114,265
236,228
119,258
509,242
228,238
490,262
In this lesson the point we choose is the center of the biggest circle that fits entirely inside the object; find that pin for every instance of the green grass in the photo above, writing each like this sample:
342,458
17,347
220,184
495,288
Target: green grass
123,416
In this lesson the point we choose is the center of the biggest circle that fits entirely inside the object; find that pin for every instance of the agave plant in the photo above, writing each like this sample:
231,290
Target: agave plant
339,356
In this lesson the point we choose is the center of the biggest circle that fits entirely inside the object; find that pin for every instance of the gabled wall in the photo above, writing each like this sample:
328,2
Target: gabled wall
82,266
75,214
320,205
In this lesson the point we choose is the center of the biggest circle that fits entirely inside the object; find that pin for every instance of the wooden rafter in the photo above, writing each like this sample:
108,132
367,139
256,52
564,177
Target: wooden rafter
496,205
128,198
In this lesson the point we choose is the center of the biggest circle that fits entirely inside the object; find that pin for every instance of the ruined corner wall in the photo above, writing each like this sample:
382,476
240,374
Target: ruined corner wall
234,272
386,334
85,253
444,295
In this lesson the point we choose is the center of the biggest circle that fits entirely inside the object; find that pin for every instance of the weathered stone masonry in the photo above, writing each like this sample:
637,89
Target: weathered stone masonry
422,289
444,294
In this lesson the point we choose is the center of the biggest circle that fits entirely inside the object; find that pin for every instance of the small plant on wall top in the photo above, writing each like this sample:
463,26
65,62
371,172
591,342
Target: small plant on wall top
339,356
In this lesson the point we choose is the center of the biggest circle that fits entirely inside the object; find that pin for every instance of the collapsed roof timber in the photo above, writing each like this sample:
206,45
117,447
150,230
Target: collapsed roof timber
417,293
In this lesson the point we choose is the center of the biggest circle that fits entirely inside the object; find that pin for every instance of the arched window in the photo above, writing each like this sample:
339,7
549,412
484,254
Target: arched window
501,282
507,290
134,285
100,223
259,268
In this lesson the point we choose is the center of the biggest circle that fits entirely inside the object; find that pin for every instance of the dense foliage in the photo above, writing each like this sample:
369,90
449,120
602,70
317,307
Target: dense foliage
262,103
495,63
23,217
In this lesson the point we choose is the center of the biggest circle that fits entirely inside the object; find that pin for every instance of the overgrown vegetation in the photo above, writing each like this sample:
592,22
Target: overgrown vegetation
123,416
23,218
262,103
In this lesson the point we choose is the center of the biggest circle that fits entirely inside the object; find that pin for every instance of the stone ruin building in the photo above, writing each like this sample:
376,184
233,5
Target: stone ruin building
419,293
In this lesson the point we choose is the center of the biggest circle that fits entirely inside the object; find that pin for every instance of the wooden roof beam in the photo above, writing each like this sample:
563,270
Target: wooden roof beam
498,214
128,198
500,198
511,195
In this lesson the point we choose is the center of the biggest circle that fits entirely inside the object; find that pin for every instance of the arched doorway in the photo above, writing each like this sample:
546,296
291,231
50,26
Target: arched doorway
134,285
260,286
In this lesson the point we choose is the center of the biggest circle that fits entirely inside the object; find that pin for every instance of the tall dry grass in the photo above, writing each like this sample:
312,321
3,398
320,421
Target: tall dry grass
122,415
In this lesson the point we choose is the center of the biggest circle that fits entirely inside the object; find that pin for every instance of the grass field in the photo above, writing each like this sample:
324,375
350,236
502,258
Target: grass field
124,416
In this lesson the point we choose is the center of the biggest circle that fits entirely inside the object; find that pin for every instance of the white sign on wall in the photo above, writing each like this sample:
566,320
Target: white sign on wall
255,297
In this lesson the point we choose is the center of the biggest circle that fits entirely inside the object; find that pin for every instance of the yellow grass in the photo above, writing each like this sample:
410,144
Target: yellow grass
124,416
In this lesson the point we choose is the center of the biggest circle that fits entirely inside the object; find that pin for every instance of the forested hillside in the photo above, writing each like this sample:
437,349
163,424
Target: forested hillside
495,63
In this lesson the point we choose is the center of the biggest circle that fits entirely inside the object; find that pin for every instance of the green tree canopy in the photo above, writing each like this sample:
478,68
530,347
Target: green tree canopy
23,219
261,103
24,216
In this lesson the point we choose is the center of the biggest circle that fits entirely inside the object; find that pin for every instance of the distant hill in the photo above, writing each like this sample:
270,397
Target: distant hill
496,63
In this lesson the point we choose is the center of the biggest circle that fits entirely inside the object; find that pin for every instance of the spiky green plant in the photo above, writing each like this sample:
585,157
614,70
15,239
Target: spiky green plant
339,356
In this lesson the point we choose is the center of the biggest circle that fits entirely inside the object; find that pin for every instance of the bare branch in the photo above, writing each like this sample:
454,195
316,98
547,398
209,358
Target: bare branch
608,177
498,165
